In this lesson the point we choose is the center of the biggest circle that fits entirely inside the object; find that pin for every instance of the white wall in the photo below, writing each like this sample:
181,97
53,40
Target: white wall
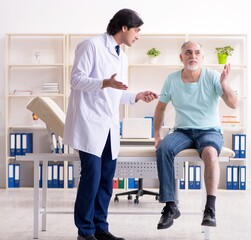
82,16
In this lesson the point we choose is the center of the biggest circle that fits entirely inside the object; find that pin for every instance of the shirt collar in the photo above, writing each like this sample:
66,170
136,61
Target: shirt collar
111,43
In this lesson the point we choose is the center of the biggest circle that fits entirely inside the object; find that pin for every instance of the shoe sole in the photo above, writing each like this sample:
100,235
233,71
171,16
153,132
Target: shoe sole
165,227
168,226
208,224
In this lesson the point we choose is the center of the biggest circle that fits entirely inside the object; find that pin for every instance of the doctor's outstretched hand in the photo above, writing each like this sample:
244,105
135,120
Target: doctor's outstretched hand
146,96
113,83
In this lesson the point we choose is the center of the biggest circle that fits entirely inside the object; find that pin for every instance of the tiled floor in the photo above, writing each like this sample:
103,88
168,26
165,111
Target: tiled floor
129,220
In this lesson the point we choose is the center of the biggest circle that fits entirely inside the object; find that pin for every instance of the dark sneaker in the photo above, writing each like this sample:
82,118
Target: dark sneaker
87,237
106,236
209,217
168,214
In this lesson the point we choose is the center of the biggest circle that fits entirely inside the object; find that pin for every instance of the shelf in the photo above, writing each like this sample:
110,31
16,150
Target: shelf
53,65
155,66
178,66
221,66
34,59
238,159
28,127
142,140
56,95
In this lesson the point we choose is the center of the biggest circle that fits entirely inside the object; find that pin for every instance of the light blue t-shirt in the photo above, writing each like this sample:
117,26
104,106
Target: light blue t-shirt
196,104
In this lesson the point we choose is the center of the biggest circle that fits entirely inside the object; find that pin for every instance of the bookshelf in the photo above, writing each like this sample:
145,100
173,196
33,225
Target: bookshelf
34,59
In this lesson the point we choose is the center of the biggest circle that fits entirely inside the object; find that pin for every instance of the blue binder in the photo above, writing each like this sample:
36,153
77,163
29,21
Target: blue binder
70,176
182,180
16,175
191,182
136,182
120,128
18,144
242,177
235,177
49,180
130,183
40,175
12,144
27,143
242,145
229,181
236,145
55,176
11,180
61,176
197,171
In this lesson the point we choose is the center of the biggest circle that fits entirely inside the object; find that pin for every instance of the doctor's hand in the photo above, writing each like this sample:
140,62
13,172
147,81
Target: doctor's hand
113,83
146,96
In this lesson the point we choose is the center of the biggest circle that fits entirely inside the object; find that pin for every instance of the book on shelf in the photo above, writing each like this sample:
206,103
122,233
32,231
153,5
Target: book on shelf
22,92
50,84
50,87
50,91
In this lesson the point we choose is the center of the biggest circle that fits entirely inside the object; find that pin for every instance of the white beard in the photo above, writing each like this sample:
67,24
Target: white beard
192,67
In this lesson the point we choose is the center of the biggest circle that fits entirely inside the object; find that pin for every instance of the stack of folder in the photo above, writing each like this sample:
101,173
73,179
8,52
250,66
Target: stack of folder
21,143
49,87
194,177
239,145
13,175
133,183
56,145
122,183
56,176
236,177
119,183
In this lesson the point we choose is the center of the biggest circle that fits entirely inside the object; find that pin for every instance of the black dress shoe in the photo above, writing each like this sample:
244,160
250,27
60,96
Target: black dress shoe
168,214
209,217
106,236
87,237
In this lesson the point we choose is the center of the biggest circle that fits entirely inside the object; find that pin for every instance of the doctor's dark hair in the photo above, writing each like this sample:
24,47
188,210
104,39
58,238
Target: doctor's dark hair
124,17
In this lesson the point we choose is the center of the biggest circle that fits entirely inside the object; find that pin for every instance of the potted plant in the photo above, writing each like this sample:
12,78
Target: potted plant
153,53
223,53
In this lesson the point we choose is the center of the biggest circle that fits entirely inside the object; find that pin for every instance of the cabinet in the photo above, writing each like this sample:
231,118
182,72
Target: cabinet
35,65
35,59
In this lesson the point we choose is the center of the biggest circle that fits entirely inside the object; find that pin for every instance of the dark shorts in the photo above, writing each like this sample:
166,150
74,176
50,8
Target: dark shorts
203,138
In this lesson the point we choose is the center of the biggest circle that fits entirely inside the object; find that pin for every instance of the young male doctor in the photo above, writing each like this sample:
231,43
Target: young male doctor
98,87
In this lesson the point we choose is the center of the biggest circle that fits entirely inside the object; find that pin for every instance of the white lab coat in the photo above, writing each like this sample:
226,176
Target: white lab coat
93,111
